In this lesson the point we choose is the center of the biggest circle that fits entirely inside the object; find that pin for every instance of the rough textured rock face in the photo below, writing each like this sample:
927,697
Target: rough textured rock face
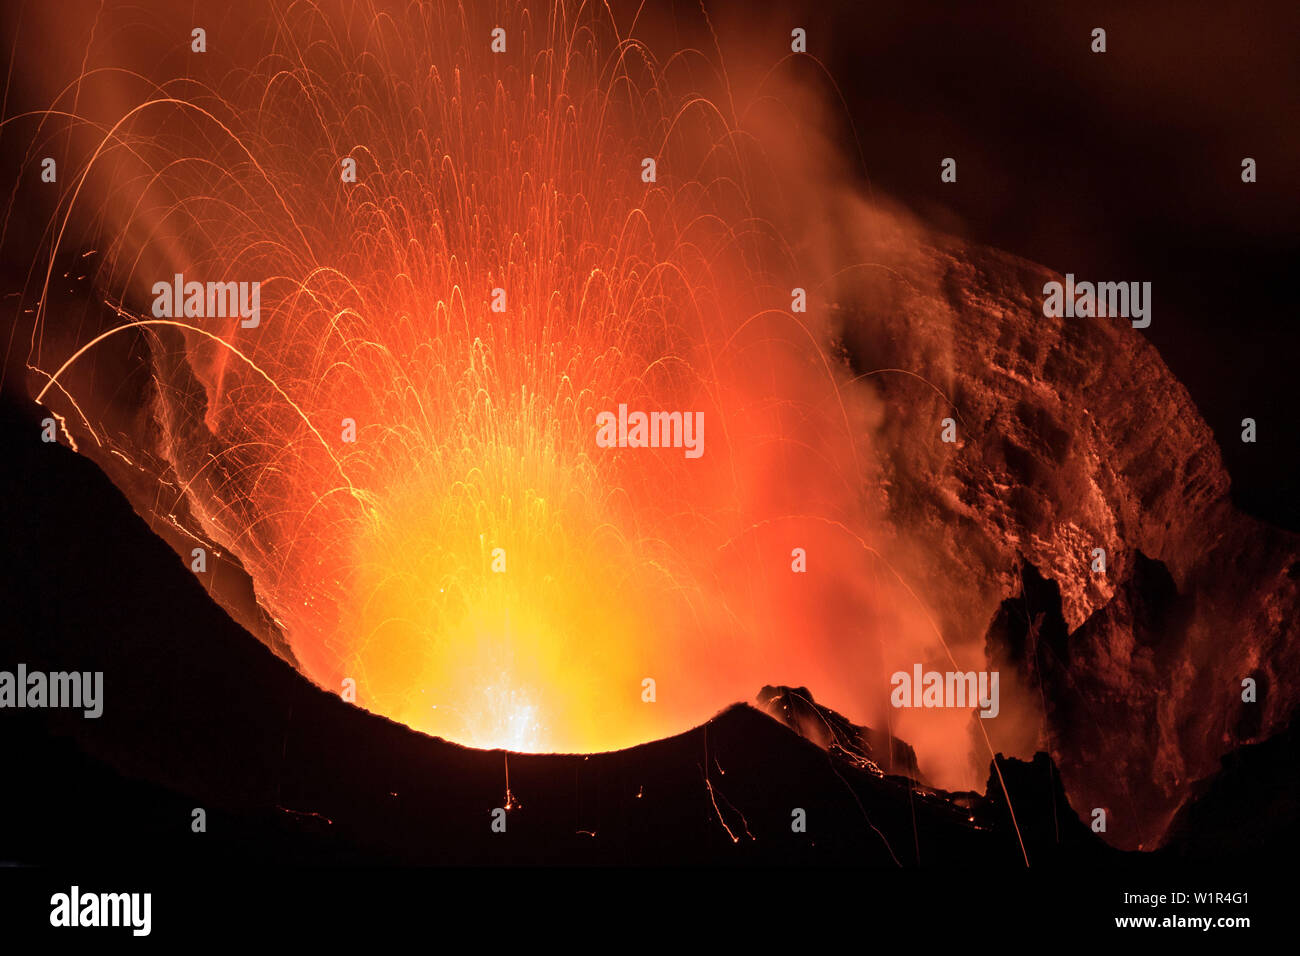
1071,435
870,749
1247,810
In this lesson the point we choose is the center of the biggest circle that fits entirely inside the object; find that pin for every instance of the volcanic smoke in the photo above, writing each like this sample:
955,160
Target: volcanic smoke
402,450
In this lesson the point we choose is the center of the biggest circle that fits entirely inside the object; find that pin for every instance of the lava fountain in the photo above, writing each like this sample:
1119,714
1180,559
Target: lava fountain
545,222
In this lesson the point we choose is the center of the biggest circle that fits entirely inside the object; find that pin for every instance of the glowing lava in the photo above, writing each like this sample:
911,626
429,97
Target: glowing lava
501,272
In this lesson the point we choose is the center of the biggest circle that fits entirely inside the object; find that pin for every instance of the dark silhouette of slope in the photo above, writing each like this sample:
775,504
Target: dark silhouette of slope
1248,811
198,714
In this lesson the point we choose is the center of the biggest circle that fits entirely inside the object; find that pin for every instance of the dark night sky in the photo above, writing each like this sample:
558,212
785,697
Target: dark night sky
1117,166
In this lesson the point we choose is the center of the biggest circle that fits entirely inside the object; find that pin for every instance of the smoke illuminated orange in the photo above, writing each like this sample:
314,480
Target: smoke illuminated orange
475,429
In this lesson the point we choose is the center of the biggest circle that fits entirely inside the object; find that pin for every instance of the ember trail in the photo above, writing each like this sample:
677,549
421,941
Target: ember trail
460,262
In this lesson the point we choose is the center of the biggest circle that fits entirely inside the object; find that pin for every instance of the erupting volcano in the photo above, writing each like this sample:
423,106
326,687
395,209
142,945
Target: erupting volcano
542,382
469,240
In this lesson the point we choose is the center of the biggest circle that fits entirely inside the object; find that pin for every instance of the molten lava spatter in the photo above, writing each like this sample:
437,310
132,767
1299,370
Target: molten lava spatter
472,251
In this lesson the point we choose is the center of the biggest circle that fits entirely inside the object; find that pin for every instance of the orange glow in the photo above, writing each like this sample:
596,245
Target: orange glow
475,428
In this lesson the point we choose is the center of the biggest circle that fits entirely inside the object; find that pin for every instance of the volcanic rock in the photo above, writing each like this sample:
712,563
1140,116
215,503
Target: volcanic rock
1073,435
